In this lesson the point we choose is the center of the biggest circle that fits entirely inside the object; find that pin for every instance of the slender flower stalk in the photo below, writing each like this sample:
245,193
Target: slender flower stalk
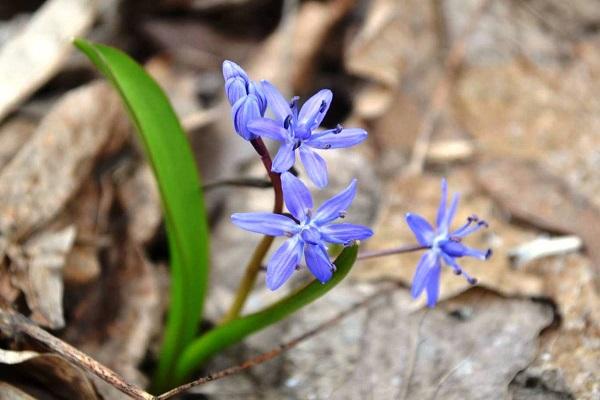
261,250
365,255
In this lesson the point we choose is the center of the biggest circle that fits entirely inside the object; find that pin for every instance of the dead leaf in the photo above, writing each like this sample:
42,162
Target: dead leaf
10,392
30,58
440,353
45,373
50,167
14,133
548,203
37,271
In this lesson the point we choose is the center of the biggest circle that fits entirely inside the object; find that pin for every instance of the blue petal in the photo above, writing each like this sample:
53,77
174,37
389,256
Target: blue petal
317,261
296,196
334,139
315,166
256,89
235,89
345,233
442,208
244,111
283,262
232,70
265,223
433,286
276,101
421,228
336,206
266,127
457,249
314,110
449,216
284,159
426,264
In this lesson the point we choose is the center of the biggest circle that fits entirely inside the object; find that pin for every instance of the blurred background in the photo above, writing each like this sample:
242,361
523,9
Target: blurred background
499,96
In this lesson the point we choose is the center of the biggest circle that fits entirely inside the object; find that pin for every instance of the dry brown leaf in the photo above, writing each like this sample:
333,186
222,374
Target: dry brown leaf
50,167
45,373
14,133
548,202
116,318
10,392
37,271
470,348
31,57
421,196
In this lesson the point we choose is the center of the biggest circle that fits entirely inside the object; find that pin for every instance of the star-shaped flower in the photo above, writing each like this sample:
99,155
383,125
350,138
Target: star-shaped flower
307,231
296,130
443,245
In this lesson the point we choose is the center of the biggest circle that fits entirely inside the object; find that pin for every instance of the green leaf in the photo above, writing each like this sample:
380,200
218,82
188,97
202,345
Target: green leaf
172,161
234,331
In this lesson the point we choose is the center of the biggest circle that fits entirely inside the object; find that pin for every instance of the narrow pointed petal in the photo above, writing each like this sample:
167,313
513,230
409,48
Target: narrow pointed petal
345,233
284,159
429,261
296,196
235,89
433,286
244,111
449,216
232,70
313,111
317,261
442,209
266,127
283,263
333,139
265,223
336,206
421,228
315,166
277,103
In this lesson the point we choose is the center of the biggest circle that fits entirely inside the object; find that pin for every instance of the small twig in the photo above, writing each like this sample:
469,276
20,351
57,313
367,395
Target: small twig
12,322
388,252
244,182
452,64
269,355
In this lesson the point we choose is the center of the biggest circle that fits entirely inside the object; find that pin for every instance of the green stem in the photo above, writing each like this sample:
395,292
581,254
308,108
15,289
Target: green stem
236,330
253,267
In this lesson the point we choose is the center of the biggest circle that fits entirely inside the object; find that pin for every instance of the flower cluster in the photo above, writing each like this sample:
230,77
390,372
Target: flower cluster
442,244
297,130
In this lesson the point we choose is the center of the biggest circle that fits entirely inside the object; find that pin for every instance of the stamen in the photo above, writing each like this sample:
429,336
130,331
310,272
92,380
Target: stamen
297,144
342,214
287,122
467,229
323,106
338,129
327,147
294,102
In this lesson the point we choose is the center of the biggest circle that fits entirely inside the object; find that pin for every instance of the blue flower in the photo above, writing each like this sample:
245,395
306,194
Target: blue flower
295,131
245,96
307,232
443,245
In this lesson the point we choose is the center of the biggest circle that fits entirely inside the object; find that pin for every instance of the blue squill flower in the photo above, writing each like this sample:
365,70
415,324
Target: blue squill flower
443,245
245,96
295,130
307,232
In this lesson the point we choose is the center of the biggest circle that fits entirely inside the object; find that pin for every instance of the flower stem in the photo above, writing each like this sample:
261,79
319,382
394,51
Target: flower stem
253,267
388,252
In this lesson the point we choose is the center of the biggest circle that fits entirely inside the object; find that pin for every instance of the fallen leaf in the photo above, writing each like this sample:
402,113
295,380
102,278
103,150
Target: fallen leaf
44,374
31,57
37,271
10,392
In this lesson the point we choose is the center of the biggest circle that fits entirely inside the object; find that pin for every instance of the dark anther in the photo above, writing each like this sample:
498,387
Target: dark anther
483,223
297,144
287,121
342,214
323,106
488,253
294,102
338,129
327,146
458,271
472,281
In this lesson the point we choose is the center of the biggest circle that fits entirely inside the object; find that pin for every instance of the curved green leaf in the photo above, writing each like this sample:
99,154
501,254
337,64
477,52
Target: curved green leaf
172,161
234,331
